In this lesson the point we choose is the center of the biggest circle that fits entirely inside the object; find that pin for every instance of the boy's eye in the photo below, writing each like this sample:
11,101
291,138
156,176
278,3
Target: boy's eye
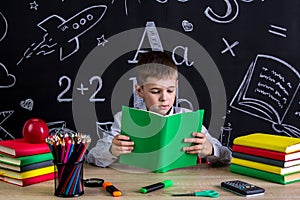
170,91
155,91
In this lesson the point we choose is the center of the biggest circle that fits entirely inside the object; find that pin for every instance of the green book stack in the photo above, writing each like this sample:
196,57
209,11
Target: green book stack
269,157
158,140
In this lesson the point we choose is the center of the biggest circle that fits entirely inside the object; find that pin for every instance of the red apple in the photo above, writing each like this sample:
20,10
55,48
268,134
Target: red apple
35,130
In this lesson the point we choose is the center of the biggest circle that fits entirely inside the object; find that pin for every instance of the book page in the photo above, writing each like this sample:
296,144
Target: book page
269,90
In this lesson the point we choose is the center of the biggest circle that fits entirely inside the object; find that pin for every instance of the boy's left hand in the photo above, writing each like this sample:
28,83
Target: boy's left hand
201,145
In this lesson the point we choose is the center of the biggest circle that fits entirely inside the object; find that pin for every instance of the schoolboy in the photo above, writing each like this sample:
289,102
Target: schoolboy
157,78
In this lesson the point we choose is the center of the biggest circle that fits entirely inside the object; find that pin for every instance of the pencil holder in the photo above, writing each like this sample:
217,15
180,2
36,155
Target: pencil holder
68,179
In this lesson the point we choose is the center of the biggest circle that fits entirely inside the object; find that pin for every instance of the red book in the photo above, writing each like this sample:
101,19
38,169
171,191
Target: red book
19,147
266,153
28,181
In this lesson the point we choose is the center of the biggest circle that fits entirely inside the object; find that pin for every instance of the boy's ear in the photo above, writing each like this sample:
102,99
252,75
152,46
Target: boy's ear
139,91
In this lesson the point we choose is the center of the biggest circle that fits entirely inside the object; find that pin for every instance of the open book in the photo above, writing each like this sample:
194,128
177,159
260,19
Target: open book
158,140
270,91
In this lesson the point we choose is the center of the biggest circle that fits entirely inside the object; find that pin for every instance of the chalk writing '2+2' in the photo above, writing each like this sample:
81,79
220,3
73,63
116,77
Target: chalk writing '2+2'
61,98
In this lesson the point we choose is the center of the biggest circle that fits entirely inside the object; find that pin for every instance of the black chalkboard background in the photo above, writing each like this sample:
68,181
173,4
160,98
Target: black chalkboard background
254,42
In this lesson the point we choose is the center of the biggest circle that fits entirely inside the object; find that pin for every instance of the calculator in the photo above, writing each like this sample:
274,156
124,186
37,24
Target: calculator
242,188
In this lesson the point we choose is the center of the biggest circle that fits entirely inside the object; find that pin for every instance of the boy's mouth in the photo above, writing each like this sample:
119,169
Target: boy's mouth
164,107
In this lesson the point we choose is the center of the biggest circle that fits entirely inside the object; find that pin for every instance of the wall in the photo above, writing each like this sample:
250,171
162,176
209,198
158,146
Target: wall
73,61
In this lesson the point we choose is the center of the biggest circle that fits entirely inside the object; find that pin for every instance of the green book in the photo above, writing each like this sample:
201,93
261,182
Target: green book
26,160
158,140
268,176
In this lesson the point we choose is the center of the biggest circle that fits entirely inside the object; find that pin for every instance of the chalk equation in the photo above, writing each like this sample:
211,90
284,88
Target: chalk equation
64,34
270,91
62,95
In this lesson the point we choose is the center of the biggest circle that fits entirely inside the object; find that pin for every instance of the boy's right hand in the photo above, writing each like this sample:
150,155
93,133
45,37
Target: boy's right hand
121,144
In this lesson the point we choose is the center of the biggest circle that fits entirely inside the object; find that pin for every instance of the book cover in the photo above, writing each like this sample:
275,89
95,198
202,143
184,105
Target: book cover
28,174
266,153
25,160
266,167
282,179
279,143
158,140
19,147
268,161
26,168
28,181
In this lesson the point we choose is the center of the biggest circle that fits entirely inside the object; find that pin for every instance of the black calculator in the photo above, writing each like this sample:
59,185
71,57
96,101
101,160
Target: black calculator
242,188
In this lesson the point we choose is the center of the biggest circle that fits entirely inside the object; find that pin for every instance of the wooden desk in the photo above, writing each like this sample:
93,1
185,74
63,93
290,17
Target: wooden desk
193,179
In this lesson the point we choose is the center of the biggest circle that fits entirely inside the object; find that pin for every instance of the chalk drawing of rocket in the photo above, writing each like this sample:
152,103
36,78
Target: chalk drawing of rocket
65,33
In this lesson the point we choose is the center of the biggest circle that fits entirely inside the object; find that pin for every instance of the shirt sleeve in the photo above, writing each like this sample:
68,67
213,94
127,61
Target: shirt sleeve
100,155
221,154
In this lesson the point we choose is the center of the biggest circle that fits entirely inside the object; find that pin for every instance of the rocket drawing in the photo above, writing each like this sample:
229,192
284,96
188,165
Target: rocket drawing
64,33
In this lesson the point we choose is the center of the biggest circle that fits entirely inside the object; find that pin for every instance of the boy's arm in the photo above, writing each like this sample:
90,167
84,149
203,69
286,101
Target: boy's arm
100,155
221,154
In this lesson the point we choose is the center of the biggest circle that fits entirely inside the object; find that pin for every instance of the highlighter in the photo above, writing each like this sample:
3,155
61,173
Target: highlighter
156,186
108,186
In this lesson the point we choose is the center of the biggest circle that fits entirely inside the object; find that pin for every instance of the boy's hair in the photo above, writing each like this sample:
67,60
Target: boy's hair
155,64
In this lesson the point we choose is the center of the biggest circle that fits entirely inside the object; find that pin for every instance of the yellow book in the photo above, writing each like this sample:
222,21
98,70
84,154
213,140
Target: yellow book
265,167
27,174
269,142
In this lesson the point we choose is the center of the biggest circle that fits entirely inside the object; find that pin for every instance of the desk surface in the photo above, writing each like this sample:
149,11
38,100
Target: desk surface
197,178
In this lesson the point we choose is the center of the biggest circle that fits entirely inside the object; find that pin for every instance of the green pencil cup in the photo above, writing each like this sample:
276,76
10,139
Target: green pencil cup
68,179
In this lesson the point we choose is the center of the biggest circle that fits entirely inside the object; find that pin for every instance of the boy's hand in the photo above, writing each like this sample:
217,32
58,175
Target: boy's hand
121,144
201,145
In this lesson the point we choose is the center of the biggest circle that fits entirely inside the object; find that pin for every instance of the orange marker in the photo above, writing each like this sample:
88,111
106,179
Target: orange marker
108,186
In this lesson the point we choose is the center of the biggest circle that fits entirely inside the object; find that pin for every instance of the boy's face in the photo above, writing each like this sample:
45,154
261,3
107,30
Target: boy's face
158,94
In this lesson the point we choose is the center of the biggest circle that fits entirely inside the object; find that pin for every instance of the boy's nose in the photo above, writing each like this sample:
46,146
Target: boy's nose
164,96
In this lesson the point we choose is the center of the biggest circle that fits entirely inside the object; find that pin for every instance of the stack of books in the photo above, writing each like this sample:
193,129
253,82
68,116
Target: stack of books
23,163
265,156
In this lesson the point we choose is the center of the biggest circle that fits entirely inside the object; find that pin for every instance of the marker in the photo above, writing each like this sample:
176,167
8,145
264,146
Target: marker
108,186
156,186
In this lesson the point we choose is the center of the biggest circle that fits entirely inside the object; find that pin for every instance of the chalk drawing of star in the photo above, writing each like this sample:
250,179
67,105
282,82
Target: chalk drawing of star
33,5
102,40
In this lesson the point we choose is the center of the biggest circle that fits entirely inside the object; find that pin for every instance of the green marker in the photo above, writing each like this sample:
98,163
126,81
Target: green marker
156,186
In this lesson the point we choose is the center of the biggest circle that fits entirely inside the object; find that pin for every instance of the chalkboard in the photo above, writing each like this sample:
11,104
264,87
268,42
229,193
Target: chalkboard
71,63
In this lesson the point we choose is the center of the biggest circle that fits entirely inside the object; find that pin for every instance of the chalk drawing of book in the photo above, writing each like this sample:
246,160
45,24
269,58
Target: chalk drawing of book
270,91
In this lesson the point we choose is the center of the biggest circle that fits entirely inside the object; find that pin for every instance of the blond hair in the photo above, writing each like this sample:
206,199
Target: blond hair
155,64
